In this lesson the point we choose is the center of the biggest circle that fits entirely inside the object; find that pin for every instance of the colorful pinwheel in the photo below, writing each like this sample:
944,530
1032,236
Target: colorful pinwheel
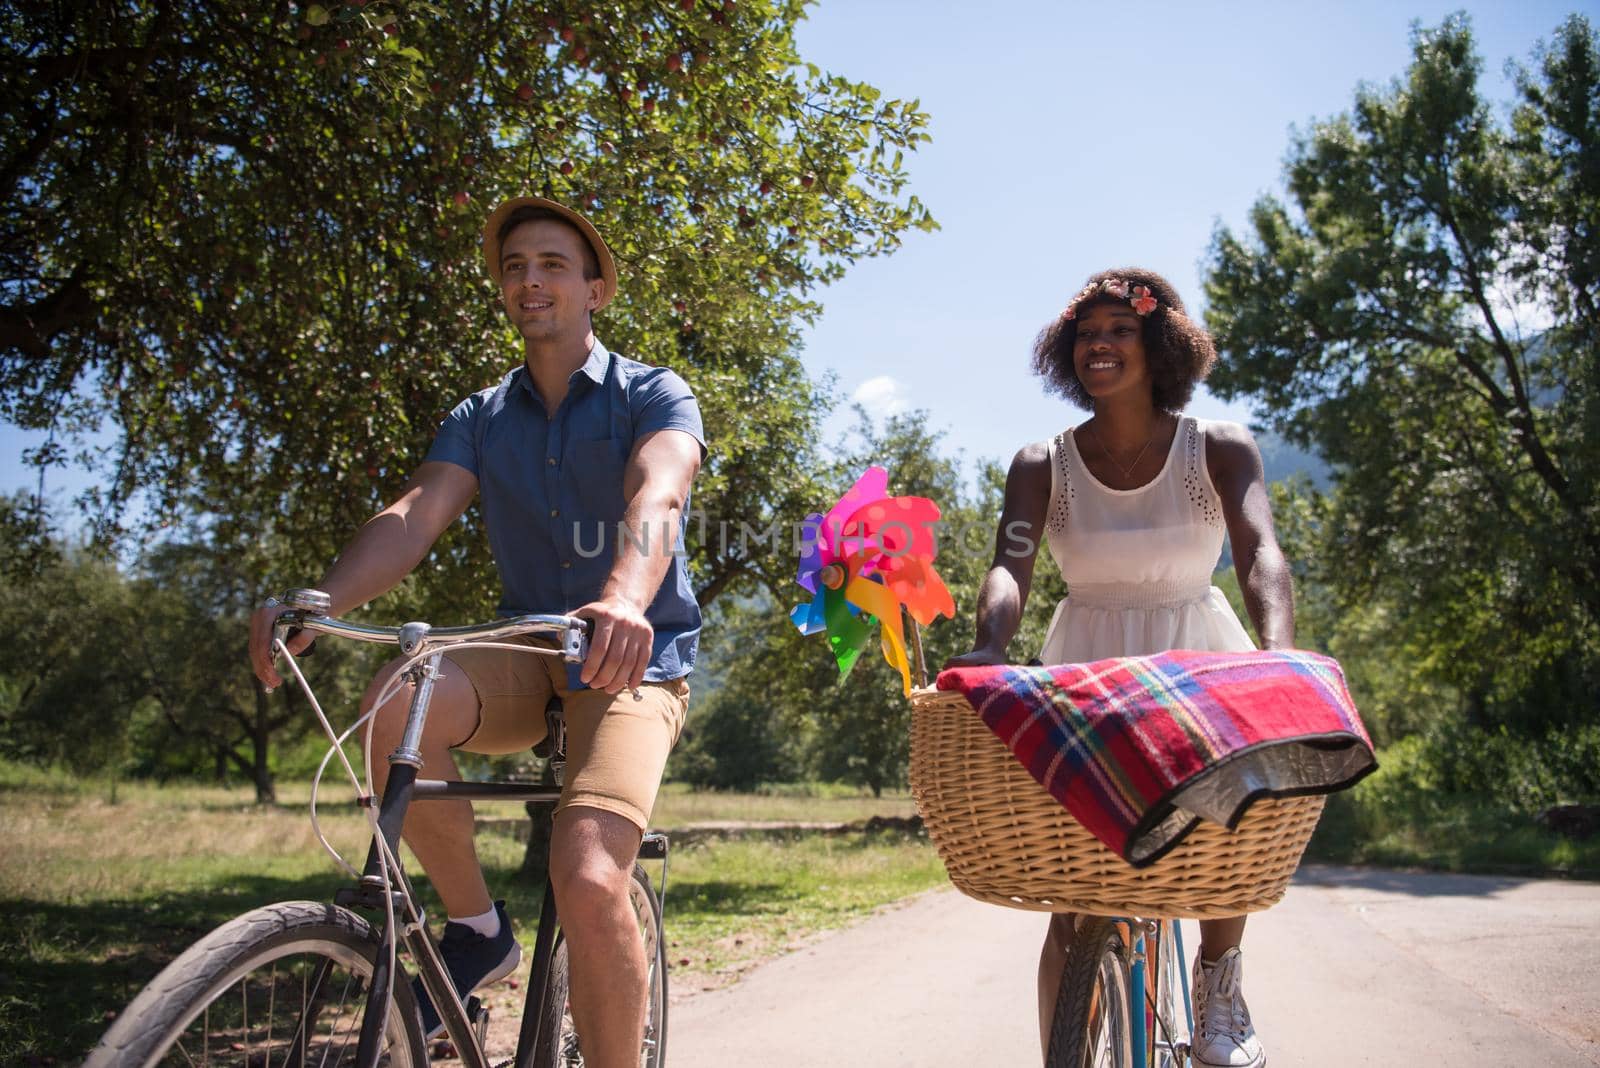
870,556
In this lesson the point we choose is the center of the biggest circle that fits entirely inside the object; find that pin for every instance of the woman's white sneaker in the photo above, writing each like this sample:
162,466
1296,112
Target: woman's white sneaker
1223,1035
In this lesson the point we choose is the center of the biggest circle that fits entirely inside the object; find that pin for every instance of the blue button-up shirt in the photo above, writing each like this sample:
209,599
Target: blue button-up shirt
552,496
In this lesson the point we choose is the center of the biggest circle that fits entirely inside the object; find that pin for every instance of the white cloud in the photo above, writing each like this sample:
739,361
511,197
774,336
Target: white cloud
881,396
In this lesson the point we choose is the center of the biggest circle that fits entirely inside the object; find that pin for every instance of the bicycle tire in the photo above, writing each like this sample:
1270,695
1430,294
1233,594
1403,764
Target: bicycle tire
558,1039
1090,1026
304,939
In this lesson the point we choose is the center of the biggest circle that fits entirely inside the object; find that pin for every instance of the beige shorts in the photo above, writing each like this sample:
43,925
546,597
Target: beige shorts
617,744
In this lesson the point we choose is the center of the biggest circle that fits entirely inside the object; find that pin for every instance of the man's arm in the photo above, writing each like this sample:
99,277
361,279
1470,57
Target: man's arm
382,553
655,484
1234,463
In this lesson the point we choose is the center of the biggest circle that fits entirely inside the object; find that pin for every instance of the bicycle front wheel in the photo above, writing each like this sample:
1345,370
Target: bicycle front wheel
558,1038
1091,1025
285,984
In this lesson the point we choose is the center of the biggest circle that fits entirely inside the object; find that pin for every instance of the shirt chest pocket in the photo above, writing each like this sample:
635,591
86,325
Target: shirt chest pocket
591,477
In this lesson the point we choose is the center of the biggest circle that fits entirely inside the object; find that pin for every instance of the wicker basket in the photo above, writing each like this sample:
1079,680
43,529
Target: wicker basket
1005,840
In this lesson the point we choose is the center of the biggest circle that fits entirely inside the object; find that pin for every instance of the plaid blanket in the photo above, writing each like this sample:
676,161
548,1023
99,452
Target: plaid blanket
1139,749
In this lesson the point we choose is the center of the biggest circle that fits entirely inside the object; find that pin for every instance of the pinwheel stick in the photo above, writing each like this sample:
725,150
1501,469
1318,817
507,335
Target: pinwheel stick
919,668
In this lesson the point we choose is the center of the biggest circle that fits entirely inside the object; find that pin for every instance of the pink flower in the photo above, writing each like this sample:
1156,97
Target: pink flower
1071,312
1143,302
1116,287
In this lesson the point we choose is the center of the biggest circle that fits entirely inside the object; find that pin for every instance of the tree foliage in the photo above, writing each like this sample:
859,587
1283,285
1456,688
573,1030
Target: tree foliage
143,672
246,236
1421,313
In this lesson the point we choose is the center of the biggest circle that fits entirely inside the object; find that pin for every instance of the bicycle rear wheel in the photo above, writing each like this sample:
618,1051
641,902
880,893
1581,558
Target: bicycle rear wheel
1090,1028
285,984
558,1038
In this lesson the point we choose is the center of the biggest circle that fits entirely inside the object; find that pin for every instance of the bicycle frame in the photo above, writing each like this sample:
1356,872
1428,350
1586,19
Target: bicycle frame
1144,1044
383,885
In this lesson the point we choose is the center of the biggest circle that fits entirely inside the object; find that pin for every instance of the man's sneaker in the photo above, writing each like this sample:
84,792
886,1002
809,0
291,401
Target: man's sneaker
1223,1036
472,961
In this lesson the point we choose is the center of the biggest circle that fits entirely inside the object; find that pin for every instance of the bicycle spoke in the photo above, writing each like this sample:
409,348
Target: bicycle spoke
244,1016
343,995
272,1003
300,1028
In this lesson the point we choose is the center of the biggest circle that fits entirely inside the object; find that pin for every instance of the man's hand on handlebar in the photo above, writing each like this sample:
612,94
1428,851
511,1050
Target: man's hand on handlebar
261,627
619,648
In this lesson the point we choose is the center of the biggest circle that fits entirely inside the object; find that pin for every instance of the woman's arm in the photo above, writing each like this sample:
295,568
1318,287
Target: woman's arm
1005,587
1235,467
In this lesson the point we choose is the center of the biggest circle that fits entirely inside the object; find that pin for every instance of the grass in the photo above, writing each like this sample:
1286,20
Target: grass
1385,823
104,882
679,806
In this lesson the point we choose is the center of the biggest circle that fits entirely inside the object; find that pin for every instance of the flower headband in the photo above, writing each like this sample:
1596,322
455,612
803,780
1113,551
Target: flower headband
1143,301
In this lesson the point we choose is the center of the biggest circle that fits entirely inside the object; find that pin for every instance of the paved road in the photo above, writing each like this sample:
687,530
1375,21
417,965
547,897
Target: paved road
1353,968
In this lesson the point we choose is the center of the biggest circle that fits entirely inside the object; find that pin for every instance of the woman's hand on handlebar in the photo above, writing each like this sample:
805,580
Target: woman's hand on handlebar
979,657
619,645
261,627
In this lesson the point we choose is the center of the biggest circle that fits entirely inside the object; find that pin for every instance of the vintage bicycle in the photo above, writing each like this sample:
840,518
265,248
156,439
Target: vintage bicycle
303,983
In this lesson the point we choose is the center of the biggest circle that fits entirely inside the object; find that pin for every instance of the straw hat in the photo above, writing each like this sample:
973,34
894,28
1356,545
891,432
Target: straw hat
497,218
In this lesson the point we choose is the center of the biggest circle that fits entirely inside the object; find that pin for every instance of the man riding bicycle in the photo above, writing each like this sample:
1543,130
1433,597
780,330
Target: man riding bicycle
584,461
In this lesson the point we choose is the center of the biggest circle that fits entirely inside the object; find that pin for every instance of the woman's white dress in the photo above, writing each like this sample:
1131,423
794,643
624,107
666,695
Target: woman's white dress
1137,562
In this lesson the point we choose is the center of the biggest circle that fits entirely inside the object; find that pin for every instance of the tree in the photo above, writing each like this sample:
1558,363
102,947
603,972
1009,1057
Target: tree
1376,319
144,673
188,642
246,235
65,672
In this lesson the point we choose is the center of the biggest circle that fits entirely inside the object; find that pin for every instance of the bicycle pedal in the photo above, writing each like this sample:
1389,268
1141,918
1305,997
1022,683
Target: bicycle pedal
478,1015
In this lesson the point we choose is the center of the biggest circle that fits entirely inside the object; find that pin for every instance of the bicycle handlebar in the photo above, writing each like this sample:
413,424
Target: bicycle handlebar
571,633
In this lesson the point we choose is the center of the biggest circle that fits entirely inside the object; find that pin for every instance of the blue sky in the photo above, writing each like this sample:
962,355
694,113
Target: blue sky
1067,137
1072,137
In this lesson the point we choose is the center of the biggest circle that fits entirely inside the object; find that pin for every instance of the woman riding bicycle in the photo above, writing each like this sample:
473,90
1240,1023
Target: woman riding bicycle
1134,503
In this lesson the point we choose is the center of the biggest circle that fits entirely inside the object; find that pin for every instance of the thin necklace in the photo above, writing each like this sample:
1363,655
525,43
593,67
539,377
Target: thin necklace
1127,472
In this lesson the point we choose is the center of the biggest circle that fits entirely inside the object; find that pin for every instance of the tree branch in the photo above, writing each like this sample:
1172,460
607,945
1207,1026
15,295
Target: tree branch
28,329
1522,419
719,582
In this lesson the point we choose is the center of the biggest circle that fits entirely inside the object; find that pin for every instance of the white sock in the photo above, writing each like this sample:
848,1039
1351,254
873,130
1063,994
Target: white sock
486,924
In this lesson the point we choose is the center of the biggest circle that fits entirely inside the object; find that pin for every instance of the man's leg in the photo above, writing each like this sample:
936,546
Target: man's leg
438,832
617,746
591,865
